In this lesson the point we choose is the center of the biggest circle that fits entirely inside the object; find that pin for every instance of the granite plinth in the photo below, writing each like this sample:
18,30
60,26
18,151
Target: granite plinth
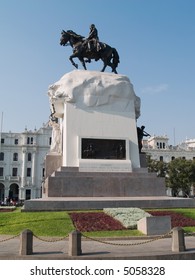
68,182
69,189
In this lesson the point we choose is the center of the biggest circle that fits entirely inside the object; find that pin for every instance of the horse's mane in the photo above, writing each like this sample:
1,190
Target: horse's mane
74,34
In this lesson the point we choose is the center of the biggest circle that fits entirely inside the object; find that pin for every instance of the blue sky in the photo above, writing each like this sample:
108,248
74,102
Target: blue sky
154,38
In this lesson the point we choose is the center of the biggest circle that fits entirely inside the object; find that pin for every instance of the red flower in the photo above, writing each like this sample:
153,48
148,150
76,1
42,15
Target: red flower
94,221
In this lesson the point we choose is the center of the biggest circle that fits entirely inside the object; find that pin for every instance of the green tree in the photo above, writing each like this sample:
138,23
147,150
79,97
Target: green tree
159,167
180,176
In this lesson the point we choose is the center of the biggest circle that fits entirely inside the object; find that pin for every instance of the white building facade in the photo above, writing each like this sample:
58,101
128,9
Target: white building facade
22,158
159,149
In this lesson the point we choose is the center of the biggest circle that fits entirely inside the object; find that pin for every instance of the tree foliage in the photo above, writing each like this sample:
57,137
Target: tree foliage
179,174
159,167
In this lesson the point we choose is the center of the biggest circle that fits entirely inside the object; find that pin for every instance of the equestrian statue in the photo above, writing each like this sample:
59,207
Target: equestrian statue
89,48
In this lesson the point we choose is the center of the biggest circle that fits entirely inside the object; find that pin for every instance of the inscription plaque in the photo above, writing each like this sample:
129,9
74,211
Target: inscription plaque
103,149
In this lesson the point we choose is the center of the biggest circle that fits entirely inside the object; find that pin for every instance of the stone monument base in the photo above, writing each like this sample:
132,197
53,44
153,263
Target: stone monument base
70,182
70,189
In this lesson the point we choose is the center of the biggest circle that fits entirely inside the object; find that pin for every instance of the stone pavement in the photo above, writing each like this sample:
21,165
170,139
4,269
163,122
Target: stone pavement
130,248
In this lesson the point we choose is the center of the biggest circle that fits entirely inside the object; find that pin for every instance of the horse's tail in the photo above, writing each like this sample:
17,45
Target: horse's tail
115,57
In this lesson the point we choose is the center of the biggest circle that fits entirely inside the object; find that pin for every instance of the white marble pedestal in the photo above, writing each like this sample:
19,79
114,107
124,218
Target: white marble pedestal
101,106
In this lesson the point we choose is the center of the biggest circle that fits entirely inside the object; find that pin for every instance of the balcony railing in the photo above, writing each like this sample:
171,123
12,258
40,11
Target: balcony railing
13,178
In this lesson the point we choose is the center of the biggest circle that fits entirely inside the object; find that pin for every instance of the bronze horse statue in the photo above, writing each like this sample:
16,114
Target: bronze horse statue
107,54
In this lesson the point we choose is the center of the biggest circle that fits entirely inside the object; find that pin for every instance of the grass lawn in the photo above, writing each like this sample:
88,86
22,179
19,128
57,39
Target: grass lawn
60,224
41,223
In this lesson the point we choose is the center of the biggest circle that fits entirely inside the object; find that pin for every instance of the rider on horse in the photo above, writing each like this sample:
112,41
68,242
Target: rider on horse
93,39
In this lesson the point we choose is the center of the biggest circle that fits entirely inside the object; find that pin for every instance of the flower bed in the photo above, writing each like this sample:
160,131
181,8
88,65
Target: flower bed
7,208
94,221
127,216
177,219
101,221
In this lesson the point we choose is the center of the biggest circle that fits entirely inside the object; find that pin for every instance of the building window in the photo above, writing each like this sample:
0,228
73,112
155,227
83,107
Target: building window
16,141
29,140
2,140
161,158
28,173
15,157
172,158
1,171
50,141
43,172
29,156
1,156
28,194
15,171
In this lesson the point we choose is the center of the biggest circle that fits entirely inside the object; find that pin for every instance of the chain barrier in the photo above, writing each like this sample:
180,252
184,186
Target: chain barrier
128,244
50,240
189,234
101,241
40,238
10,238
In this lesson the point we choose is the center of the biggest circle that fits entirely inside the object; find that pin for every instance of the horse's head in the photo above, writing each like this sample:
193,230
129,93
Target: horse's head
64,38
70,36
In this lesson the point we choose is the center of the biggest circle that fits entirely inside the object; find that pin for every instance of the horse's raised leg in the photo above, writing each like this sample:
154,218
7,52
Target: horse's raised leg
72,61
